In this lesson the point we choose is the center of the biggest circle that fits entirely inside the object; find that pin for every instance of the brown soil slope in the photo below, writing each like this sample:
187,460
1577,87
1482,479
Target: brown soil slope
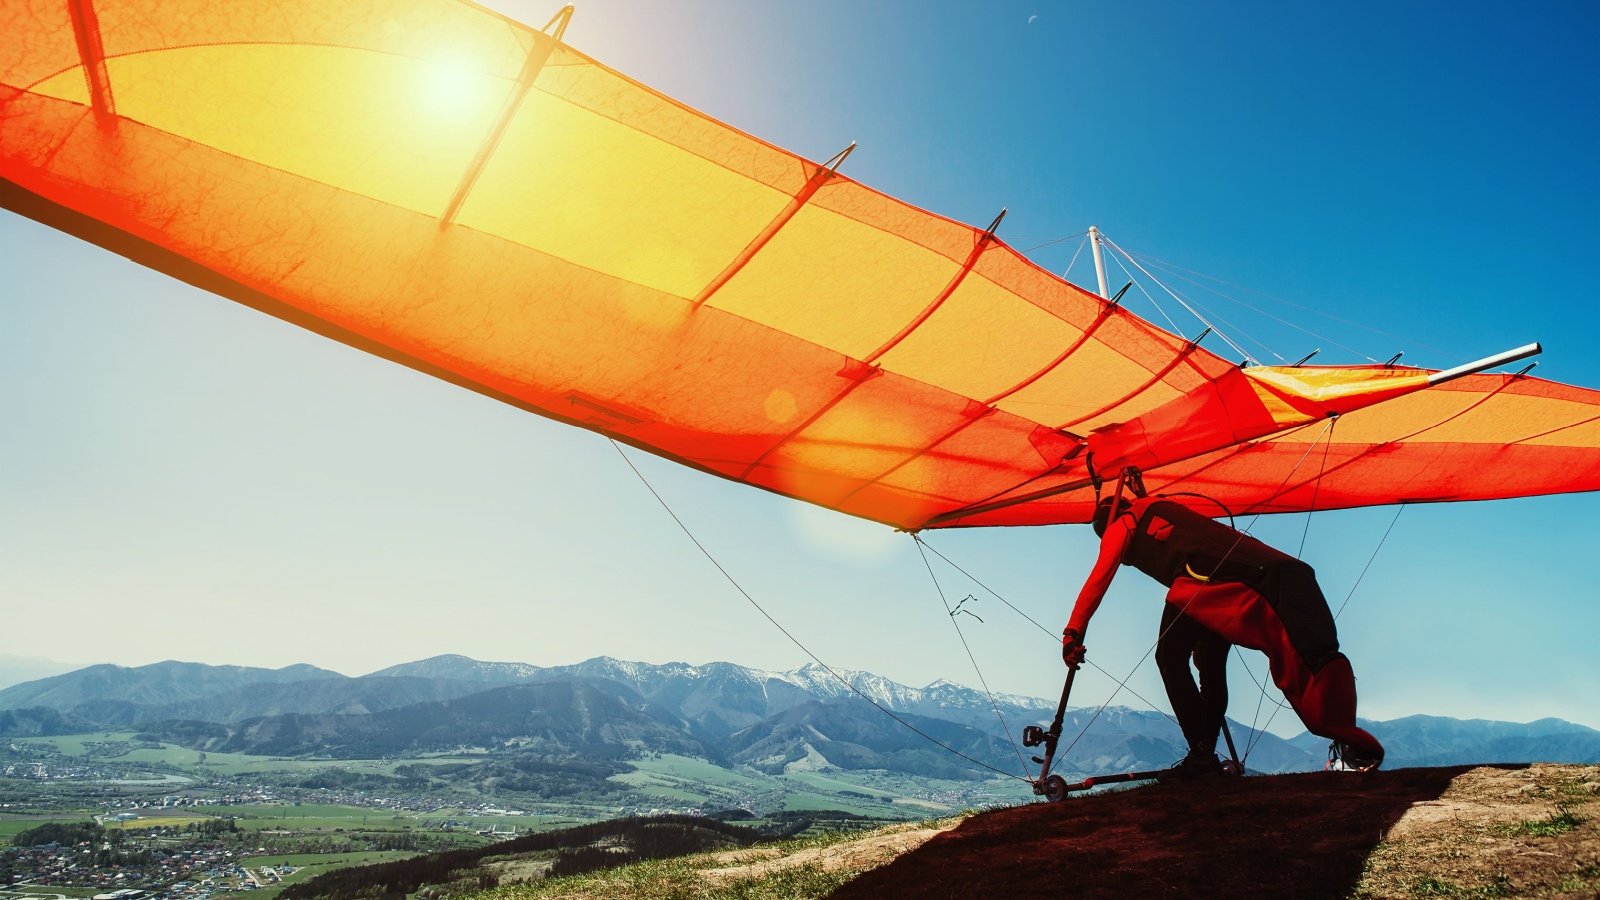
1303,836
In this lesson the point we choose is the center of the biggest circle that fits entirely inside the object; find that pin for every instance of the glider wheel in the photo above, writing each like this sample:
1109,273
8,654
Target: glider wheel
1055,788
1232,767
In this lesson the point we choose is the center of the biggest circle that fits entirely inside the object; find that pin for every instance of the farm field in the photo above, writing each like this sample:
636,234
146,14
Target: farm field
11,826
20,892
310,865
685,780
172,755
658,781
159,819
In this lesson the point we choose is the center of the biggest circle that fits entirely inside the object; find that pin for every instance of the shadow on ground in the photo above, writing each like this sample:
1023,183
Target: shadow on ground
1303,836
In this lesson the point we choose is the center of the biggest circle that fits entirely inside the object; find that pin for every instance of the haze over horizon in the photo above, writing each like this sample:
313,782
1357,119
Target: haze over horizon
182,477
1283,726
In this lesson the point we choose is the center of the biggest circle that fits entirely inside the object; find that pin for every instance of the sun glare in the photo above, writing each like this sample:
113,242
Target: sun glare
449,90
842,536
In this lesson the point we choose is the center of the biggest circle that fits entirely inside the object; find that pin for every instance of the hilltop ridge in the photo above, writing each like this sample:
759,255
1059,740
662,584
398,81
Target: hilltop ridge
1502,831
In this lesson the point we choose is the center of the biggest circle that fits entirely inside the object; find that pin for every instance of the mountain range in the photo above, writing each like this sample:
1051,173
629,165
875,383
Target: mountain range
17,669
732,715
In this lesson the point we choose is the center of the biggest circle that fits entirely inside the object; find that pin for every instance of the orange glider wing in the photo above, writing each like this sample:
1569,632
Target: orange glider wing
447,188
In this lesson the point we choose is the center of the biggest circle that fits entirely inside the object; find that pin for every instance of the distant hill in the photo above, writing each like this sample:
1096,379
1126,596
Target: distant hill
1442,741
101,699
850,734
317,696
18,669
454,667
720,698
571,718
152,685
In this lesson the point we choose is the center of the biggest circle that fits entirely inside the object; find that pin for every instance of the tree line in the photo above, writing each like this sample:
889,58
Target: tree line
67,834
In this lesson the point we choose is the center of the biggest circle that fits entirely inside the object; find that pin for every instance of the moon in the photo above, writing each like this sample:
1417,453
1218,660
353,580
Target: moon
1031,18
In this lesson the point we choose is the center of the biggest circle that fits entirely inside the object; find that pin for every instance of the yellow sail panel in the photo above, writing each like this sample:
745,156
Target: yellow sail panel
610,198
435,184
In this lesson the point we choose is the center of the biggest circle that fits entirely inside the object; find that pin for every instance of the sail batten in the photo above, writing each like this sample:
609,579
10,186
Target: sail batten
618,261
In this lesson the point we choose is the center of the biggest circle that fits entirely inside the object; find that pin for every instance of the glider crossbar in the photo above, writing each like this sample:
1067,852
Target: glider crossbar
1488,362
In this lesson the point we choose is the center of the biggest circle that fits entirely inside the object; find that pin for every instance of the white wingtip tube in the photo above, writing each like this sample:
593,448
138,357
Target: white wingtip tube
1488,362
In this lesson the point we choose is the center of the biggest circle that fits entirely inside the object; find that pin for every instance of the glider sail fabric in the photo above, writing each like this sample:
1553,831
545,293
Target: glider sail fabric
444,187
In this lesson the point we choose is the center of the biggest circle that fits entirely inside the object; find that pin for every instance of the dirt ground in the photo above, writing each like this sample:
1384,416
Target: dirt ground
1516,831
880,847
1531,832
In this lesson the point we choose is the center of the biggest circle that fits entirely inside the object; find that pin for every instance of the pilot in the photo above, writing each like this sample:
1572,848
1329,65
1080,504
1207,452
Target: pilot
1244,592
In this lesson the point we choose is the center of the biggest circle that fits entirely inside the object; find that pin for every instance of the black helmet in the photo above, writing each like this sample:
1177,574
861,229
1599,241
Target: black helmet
1104,513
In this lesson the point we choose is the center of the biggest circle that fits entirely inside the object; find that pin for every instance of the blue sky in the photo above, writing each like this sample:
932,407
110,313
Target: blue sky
181,477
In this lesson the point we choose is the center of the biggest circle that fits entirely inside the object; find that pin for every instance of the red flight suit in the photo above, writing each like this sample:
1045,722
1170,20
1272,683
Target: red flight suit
1247,593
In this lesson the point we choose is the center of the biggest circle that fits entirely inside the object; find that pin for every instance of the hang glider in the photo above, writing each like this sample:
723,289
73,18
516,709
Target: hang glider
455,191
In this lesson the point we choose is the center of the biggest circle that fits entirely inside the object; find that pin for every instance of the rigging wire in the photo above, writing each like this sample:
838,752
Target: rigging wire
1181,302
786,633
1262,344
1316,490
1174,325
1238,330
1081,244
1261,685
1047,632
1261,312
1399,508
1175,268
950,614
1186,305
1053,241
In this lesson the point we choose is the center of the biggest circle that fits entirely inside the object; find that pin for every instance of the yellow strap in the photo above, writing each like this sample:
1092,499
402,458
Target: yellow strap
1196,575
